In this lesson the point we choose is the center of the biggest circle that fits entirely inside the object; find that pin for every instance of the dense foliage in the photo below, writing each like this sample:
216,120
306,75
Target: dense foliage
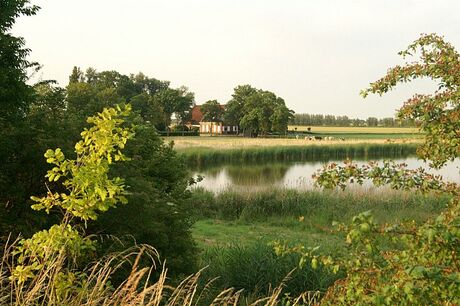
15,94
19,133
34,118
212,111
152,99
52,267
88,192
257,111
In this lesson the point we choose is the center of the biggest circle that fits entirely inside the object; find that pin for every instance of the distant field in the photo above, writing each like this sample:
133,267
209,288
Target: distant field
351,135
353,129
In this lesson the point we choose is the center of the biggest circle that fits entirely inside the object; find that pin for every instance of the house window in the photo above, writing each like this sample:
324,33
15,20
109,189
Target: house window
235,128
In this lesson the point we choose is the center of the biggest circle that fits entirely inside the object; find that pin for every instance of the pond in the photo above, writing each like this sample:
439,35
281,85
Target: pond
289,174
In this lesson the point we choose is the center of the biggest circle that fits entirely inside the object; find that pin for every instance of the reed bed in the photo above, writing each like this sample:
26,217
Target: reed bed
315,206
255,269
205,156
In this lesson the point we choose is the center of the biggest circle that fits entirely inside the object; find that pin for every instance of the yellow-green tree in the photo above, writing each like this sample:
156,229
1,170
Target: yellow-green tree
89,191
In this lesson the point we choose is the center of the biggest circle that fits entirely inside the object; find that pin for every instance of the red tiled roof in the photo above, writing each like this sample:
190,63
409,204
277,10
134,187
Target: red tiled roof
197,115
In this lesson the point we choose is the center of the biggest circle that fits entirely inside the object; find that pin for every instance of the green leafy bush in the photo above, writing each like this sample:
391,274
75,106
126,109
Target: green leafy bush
423,267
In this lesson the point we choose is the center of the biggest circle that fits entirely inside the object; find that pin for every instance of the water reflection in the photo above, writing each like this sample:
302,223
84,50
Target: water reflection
257,174
294,175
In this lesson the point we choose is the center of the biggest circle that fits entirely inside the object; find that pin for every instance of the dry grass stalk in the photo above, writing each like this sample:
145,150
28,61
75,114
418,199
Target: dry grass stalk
137,289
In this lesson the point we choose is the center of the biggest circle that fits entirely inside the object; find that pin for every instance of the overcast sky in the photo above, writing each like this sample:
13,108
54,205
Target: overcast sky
317,55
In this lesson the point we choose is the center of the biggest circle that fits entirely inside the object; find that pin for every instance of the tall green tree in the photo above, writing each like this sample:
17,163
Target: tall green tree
234,107
149,109
17,140
257,111
212,111
183,105
175,101
15,94
76,76
94,90
281,116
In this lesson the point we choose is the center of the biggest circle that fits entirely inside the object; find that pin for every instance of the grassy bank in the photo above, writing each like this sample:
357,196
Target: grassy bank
203,155
234,231
302,210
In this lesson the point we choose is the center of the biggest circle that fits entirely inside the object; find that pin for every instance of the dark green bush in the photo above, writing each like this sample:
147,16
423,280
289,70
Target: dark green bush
155,214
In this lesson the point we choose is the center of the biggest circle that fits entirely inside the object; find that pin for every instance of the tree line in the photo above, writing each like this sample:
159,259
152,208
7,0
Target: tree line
332,120
155,101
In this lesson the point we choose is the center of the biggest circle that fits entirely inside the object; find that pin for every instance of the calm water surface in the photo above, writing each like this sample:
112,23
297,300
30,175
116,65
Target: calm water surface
294,175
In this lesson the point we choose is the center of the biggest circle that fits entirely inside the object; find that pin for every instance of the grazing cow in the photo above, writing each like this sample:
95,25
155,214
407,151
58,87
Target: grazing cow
318,138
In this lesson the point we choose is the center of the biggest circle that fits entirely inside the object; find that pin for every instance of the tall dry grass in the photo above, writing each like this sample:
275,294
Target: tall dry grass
231,143
139,288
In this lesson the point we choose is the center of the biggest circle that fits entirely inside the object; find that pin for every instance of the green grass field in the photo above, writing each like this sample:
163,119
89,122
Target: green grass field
223,233
235,232
353,129
298,216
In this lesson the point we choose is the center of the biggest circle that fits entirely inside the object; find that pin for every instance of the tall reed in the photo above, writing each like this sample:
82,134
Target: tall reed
196,157
256,270
319,207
